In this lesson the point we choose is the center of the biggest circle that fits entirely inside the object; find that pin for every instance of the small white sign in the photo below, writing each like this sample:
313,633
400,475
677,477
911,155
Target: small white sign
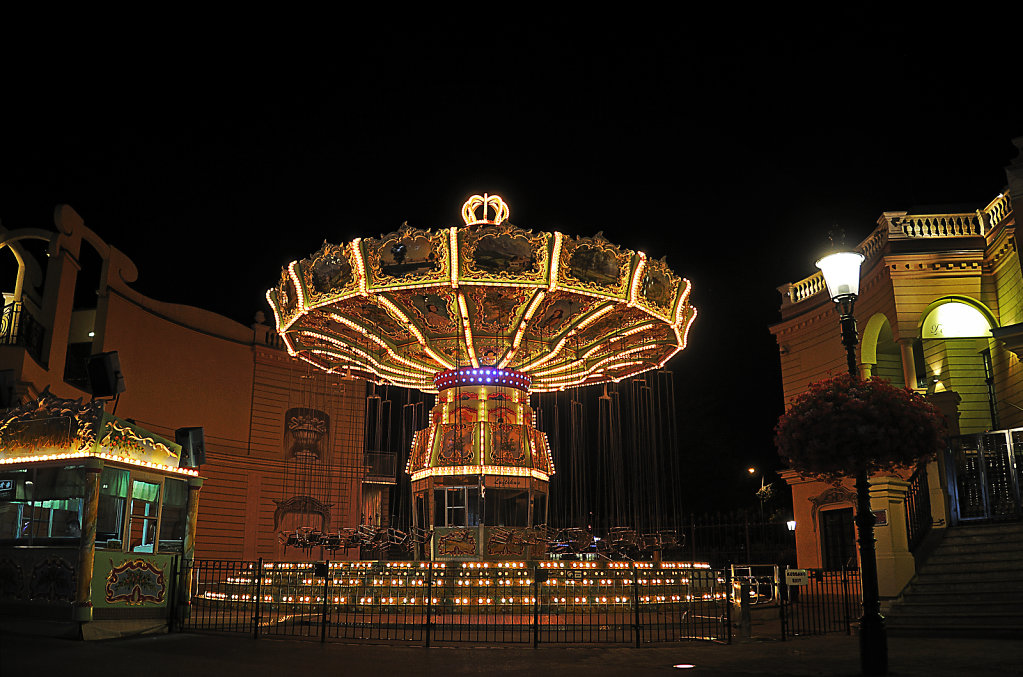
796,577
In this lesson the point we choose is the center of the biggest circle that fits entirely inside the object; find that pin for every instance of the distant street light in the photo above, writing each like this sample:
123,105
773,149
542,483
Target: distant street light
842,275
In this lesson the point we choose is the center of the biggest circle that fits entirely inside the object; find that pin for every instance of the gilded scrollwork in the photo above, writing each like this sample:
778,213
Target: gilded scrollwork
434,310
508,444
658,287
556,312
408,256
457,443
495,309
503,252
287,298
414,302
329,274
594,264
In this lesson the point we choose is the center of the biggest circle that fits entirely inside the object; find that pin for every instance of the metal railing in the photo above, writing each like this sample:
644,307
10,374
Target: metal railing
380,465
918,508
831,601
461,602
901,225
19,328
738,536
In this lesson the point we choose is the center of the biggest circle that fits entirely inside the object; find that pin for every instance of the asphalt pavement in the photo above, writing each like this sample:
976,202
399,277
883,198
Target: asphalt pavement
182,654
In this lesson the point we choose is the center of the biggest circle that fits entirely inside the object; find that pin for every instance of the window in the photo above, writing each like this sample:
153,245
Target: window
507,507
456,507
173,515
539,509
113,494
42,504
422,519
145,505
955,319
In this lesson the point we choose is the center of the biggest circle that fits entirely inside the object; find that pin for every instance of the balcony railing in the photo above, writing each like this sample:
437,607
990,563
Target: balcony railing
380,466
903,226
19,328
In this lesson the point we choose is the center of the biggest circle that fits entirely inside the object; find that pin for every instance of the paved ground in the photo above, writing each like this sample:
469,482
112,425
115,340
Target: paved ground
189,655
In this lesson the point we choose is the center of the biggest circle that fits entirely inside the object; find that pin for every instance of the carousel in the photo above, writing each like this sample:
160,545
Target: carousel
482,315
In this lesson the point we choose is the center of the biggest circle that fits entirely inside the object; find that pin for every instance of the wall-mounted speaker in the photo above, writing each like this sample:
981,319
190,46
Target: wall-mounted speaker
8,391
193,447
105,377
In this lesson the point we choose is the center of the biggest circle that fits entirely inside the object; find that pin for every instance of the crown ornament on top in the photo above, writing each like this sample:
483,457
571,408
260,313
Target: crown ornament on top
488,202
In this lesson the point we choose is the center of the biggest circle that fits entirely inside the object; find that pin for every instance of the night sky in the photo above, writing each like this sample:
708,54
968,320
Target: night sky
730,146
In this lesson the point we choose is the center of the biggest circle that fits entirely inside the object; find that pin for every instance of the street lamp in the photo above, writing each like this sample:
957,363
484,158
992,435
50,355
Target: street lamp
842,276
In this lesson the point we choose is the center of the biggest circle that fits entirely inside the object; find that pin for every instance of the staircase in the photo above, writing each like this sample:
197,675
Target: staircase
970,586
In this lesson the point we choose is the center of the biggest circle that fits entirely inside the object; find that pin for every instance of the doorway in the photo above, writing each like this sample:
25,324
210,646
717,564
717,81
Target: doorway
838,539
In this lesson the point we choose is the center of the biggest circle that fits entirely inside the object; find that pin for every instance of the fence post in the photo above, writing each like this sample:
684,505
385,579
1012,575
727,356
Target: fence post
845,600
635,603
783,598
728,601
429,600
326,590
536,604
259,599
172,591
692,536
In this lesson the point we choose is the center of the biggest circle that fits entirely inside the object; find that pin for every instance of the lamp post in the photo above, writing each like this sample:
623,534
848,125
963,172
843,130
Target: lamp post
842,275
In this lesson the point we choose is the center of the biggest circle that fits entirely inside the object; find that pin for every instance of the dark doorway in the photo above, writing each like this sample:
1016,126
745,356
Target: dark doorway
838,544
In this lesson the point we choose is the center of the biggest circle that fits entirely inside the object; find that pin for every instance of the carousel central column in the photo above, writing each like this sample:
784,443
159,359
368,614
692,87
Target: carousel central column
480,471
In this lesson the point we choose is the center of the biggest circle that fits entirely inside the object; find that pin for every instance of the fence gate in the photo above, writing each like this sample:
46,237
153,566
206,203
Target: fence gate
984,475
831,601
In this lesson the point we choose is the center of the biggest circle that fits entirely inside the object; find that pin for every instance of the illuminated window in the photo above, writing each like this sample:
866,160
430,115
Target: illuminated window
173,515
41,505
145,501
955,320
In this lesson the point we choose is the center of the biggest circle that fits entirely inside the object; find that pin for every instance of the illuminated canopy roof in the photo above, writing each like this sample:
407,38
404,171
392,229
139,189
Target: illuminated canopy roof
401,308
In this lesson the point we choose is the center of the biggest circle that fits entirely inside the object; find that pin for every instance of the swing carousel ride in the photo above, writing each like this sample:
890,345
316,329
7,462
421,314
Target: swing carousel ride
482,315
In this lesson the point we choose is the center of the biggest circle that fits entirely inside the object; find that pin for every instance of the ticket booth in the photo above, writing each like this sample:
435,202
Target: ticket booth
97,520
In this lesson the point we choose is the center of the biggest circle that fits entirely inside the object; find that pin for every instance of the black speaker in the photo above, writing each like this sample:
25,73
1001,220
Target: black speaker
193,447
8,392
105,377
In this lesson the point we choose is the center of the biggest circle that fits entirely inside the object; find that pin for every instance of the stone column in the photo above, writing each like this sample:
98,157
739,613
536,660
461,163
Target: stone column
87,544
895,564
188,545
908,363
947,403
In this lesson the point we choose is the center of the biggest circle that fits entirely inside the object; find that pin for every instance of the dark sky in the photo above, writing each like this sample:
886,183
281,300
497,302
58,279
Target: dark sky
729,144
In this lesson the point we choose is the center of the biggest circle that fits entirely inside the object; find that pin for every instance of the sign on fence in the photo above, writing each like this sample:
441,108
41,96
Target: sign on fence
796,577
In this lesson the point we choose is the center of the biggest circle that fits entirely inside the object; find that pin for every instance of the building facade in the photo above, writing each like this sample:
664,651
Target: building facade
284,442
940,311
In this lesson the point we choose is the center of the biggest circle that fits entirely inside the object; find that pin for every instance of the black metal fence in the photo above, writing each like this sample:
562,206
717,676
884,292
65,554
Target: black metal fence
468,602
738,536
918,508
831,601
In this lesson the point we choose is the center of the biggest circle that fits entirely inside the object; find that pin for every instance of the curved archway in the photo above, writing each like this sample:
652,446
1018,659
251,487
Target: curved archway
956,344
880,355
956,317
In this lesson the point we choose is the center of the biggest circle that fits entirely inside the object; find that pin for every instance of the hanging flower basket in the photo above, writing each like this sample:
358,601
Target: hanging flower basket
844,424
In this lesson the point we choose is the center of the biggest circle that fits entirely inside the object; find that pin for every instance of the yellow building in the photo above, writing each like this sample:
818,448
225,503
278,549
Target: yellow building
939,311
